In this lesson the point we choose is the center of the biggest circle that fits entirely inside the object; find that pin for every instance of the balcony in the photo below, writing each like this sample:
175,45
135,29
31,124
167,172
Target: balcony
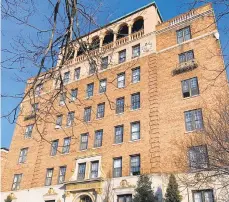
185,67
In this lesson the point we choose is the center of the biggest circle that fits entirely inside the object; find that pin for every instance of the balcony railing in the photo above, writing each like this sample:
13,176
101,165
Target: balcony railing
122,41
185,66
137,35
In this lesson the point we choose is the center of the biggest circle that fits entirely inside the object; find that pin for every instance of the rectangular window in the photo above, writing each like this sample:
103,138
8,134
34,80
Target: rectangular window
136,51
94,169
120,104
193,120
81,171
16,182
62,98
62,173
23,155
70,118
38,89
117,167
59,121
190,87
125,198
102,86
118,134
54,147
122,56
74,93
136,75
186,56
66,146
135,130
100,110
66,77
183,34
28,131
90,90
77,73
92,67
203,195
104,62
84,141
198,157
34,108
135,165
98,138
121,80
135,101
48,179
87,114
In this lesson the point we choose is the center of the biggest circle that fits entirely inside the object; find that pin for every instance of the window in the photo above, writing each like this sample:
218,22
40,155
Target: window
66,77
22,156
186,56
183,34
81,171
136,51
87,114
66,145
98,138
135,130
70,118
77,73
118,134
16,182
135,101
48,180
62,98
54,147
136,75
135,165
203,196
100,110
62,173
190,87
120,102
74,93
38,89
28,131
121,80
92,67
104,62
90,90
125,198
102,86
59,121
117,169
122,56
193,120
94,169
34,108
198,157
84,141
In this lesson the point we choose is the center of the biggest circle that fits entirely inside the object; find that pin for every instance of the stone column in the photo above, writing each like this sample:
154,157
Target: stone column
130,30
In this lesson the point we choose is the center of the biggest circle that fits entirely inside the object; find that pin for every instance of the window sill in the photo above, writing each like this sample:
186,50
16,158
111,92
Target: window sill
82,150
132,141
117,143
119,114
58,127
64,154
99,118
132,83
88,98
132,110
187,98
193,131
96,147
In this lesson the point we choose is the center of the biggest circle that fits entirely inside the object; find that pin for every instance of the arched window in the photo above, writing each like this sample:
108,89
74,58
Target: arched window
138,25
123,31
82,48
109,37
95,43
85,198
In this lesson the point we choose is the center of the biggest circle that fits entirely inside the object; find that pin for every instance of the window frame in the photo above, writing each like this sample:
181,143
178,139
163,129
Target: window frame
23,155
91,91
92,67
89,114
125,197
123,82
28,134
77,73
84,173
63,97
66,79
122,59
133,101
133,48
100,132
202,191
46,176
61,174
85,144
70,118
131,130
100,113
16,184
131,172
139,75
120,168
185,54
59,122
67,145
96,171
115,136
183,34
190,89
101,89
118,105
52,151
193,120
73,98
104,65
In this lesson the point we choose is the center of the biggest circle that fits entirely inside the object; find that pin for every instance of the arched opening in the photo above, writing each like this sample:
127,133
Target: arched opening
109,37
85,198
138,25
123,31
82,48
95,43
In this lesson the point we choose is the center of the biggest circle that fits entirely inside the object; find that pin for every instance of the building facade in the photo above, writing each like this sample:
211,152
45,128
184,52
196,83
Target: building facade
142,87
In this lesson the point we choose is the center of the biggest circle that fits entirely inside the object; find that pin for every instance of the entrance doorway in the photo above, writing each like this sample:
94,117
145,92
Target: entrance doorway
85,198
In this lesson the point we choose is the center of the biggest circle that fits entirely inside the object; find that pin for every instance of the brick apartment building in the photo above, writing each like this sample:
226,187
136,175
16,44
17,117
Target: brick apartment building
121,118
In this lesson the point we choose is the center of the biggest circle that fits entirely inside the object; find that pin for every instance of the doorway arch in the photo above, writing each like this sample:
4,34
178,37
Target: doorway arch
84,197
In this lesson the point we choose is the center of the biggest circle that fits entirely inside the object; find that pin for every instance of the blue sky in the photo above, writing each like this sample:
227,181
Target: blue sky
168,9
